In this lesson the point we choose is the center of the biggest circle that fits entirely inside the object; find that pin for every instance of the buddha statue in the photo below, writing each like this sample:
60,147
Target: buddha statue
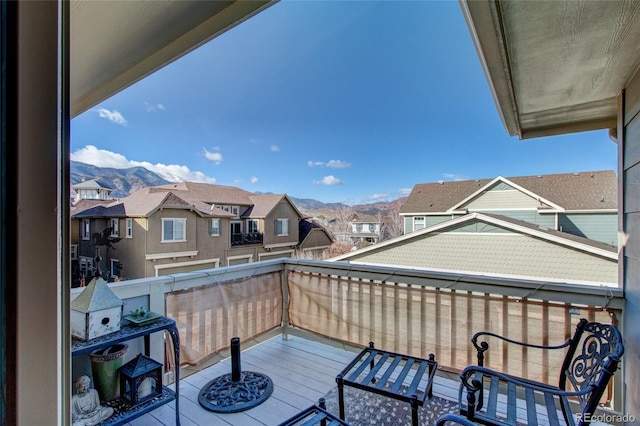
85,404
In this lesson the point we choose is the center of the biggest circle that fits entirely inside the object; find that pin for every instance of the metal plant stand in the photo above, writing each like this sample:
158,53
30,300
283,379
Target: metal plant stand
236,391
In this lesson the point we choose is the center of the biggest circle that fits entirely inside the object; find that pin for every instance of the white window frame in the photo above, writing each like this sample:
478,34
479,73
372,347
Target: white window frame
115,227
215,226
74,251
256,226
85,265
112,263
86,229
416,225
129,228
282,224
174,239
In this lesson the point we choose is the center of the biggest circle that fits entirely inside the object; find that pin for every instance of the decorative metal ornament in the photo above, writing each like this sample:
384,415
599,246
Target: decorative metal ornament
140,380
237,391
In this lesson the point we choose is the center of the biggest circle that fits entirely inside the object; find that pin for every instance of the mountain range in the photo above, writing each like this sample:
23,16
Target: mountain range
126,181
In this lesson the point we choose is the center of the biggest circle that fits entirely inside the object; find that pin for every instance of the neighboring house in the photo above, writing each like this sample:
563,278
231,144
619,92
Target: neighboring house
187,226
498,246
365,228
88,194
92,190
583,204
314,238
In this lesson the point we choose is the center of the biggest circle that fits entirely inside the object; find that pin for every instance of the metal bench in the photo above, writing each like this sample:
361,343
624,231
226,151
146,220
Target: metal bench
592,357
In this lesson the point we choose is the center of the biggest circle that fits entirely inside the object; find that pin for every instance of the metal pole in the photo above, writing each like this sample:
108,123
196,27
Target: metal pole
235,359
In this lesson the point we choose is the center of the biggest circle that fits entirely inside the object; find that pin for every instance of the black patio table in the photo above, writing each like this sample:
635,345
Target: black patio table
397,376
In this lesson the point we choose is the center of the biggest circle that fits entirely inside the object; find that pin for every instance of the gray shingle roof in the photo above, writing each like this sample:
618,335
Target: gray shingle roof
201,197
595,190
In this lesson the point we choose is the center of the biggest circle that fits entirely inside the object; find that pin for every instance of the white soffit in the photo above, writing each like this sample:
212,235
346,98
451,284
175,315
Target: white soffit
116,43
556,67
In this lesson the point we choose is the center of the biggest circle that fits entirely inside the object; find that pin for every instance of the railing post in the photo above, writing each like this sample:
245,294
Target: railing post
285,301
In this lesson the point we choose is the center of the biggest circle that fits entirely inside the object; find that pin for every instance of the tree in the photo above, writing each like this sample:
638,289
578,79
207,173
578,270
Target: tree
392,224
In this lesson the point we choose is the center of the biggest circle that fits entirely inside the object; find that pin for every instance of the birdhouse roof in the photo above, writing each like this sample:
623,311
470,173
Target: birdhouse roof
139,365
95,297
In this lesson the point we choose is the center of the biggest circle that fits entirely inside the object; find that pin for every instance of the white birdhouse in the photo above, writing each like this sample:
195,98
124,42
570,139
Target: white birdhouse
96,311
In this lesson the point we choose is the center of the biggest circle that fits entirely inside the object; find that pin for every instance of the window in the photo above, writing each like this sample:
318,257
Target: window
86,230
115,227
358,227
74,251
115,268
215,227
174,230
418,222
282,227
129,225
252,226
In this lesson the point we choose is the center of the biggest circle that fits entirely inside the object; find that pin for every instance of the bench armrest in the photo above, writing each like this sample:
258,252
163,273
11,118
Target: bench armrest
483,345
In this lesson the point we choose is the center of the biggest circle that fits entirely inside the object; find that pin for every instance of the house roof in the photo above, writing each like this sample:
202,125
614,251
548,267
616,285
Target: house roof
594,190
86,204
92,184
495,245
96,296
200,197
555,67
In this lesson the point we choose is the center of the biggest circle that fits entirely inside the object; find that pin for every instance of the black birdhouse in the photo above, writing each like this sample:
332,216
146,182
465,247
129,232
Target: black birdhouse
140,380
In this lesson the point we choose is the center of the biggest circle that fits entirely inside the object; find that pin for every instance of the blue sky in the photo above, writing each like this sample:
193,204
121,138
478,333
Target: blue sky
340,101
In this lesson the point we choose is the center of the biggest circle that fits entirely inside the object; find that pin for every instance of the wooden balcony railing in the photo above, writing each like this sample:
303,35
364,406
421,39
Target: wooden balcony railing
406,311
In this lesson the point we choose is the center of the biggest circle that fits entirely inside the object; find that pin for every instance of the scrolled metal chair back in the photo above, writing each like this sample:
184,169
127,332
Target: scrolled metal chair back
592,359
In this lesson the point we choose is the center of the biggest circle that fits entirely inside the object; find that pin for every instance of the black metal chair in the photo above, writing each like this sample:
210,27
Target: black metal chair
592,357
315,415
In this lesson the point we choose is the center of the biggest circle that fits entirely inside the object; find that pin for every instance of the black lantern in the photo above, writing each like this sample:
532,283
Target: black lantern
140,380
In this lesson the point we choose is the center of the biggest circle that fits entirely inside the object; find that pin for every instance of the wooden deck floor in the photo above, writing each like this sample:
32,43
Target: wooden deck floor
302,371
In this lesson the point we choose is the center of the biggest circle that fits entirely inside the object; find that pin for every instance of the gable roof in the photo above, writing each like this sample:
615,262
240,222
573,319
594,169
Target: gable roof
263,204
569,240
308,227
202,198
596,190
92,184
493,245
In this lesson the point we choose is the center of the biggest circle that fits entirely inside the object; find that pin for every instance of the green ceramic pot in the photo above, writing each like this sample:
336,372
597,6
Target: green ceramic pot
104,366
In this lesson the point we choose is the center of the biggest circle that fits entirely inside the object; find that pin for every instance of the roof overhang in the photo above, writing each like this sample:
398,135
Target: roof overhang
555,67
115,44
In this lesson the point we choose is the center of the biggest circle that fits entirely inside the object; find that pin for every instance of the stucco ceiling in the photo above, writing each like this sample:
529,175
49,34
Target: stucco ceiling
556,66
116,43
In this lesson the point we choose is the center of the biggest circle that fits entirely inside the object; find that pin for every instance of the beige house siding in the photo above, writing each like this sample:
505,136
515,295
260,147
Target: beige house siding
316,238
284,210
629,222
505,254
501,197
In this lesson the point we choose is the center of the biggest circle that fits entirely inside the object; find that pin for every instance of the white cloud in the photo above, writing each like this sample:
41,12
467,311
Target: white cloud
338,164
404,191
113,116
328,180
454,177
171,172
153,107
254,179
377,197
274,148
333,164
216,157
